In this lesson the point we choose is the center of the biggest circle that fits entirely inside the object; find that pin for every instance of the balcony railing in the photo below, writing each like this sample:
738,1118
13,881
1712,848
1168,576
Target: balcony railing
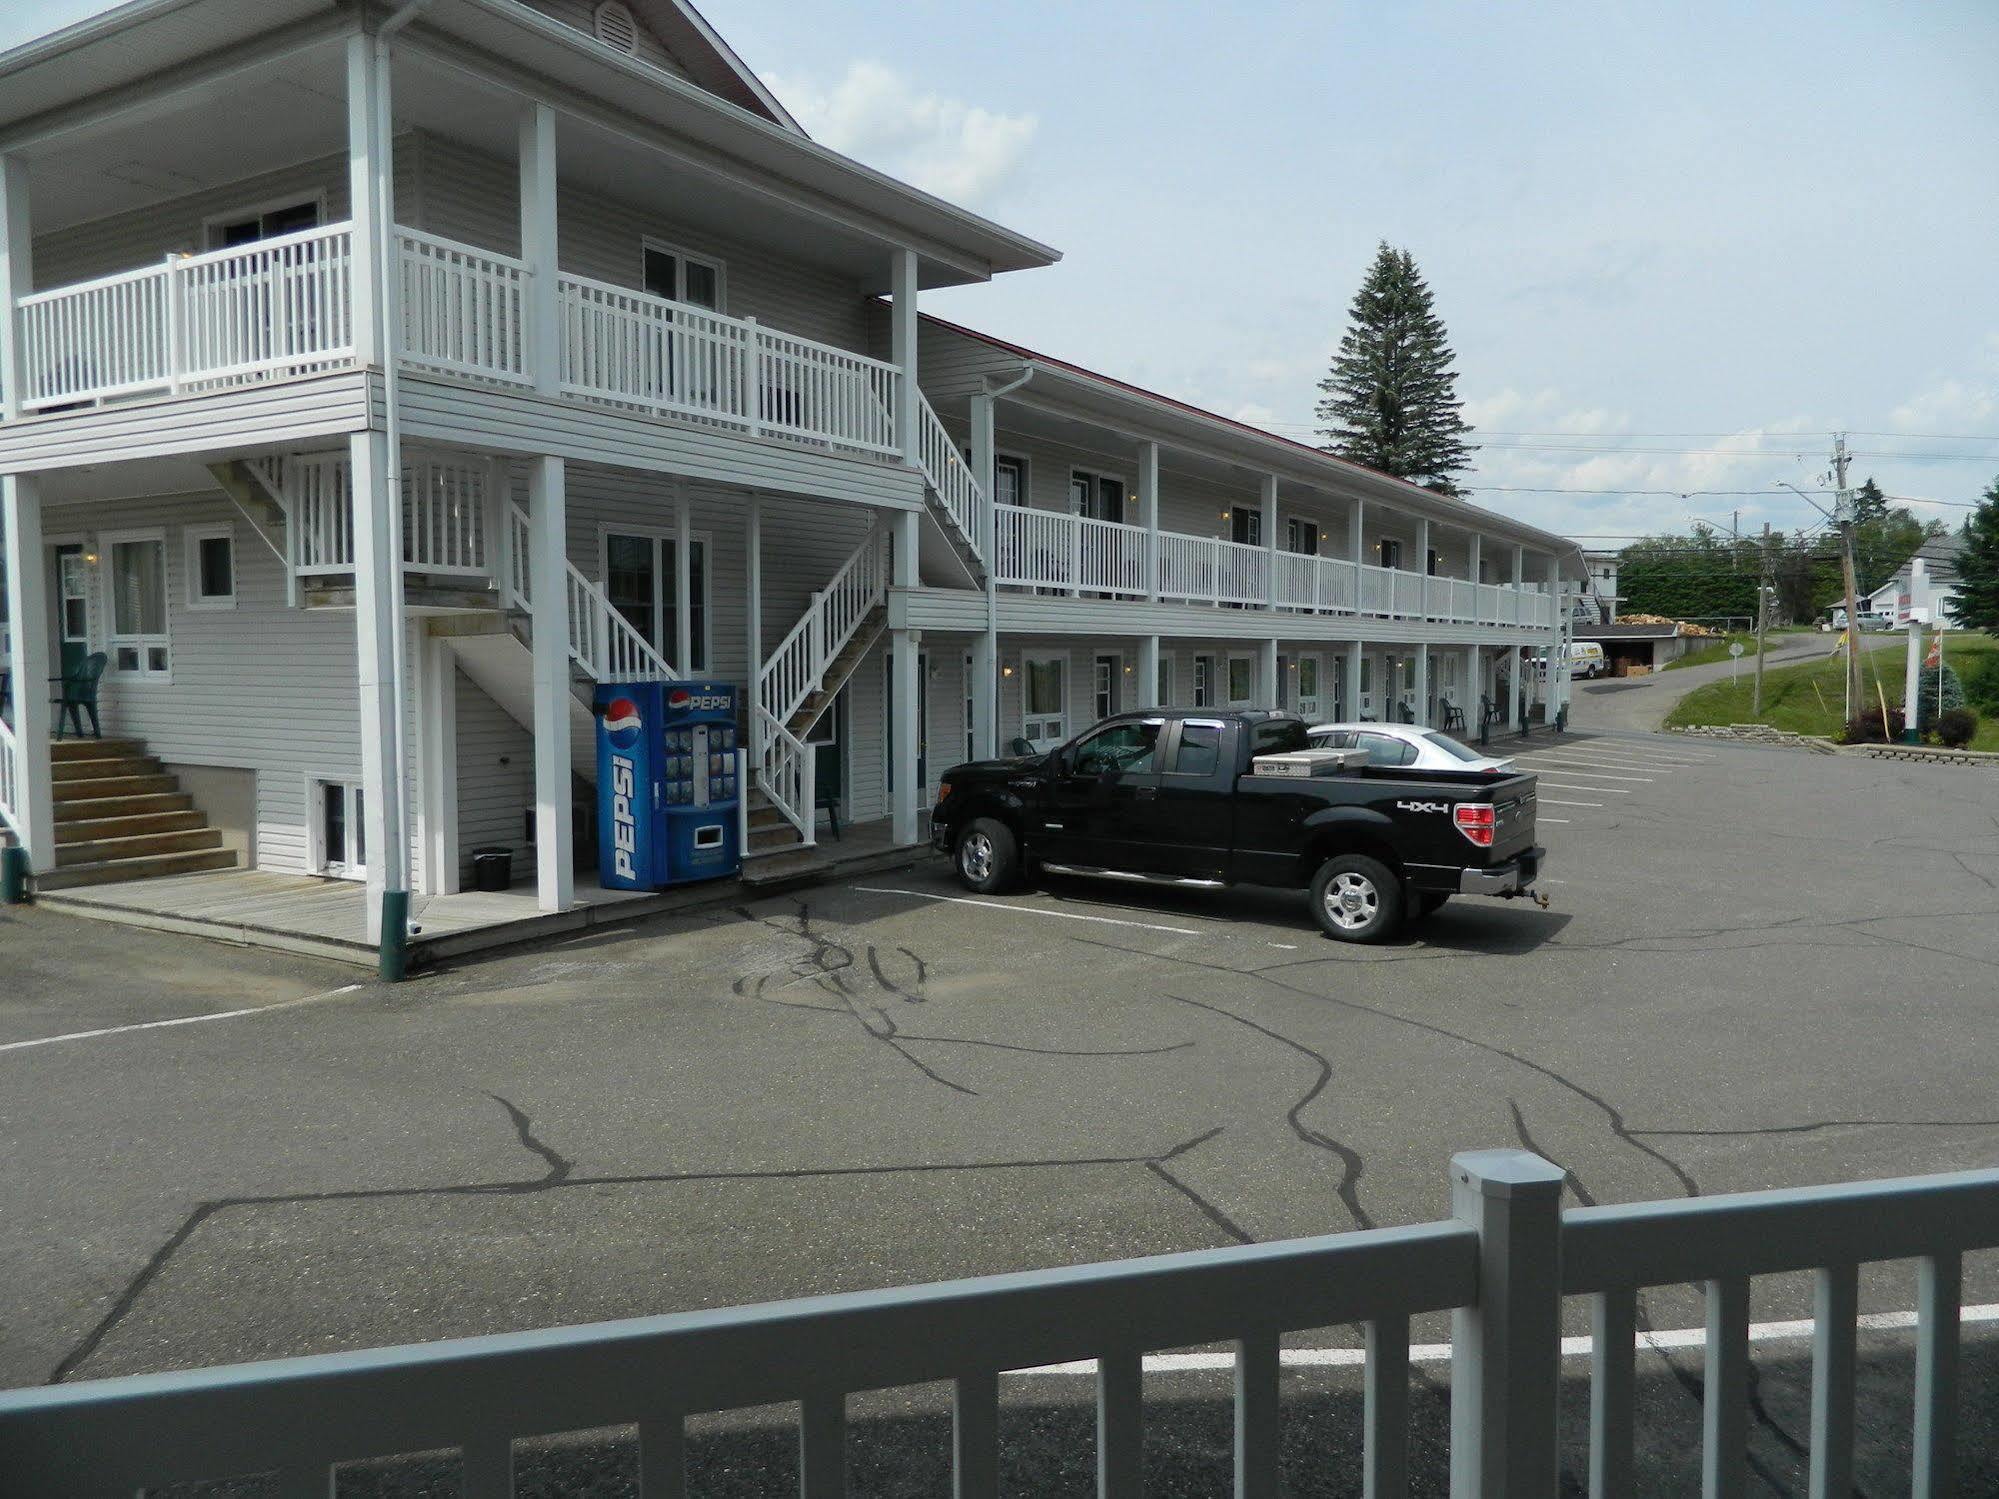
1049,551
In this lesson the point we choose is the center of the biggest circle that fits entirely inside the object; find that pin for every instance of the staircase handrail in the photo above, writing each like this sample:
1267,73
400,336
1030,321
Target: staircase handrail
793,671
788,773
10,779
951,477
601,640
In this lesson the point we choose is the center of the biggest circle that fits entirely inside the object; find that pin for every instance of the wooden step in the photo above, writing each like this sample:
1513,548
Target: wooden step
766,816
112,786
98,767
151,866
784,835
94,749
93,809
90,829
137,845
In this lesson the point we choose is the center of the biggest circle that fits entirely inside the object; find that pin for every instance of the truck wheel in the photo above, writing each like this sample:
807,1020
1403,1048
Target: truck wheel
987,856
1357,899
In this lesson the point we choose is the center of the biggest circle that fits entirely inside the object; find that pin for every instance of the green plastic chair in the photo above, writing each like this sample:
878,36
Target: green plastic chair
79,695
826,787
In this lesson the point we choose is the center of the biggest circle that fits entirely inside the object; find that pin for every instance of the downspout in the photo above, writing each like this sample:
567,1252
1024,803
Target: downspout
991,463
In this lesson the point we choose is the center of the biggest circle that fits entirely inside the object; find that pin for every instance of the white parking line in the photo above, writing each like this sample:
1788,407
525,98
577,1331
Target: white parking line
156,1025
1572,786
1550,801
1562,820
1663,1341
999,905
1551,767
1617,754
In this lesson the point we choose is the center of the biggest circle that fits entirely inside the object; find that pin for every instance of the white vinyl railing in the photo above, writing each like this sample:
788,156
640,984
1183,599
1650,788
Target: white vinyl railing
462,309
606,645
1052,551
788,773
447,513
1503,1264
278,306
638,350
10,779
951,477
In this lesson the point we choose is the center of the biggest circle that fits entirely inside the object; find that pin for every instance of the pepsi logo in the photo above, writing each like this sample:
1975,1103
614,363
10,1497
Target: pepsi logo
621,722
678,698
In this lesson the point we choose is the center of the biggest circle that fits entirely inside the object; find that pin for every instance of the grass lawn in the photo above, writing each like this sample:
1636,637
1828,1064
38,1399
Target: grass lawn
1717,649
1808,698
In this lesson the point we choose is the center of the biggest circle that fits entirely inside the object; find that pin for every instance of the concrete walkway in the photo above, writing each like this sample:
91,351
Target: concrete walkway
1641,703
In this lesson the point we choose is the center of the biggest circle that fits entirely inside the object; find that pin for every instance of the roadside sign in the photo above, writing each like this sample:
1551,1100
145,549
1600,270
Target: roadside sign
1734,660
1735,647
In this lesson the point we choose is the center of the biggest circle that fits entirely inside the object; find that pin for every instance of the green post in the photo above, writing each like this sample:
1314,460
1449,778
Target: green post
395,936
13,875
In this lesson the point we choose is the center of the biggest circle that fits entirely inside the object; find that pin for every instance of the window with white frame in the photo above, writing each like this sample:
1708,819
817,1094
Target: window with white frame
1044,696
1106,686
1164,686
1009,479
679,276
1204,681
211,567
1301,536
1308,687
642,577
1096,496
1391,552
339,837
245,226
1242,680
138,638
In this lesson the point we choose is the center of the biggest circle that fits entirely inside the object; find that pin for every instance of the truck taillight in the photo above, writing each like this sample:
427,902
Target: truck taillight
1475,822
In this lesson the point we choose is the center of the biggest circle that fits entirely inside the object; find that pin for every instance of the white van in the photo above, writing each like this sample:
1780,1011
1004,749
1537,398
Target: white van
1585,657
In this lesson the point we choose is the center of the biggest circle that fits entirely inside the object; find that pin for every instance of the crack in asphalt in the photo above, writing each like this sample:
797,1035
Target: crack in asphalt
1819,1124
1208,1209
560,1176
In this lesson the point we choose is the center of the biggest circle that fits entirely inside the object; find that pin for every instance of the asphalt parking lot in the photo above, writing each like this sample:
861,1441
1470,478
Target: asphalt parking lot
1759,968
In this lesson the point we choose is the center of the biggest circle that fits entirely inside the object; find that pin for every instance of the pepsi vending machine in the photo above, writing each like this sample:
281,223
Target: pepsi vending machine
666,783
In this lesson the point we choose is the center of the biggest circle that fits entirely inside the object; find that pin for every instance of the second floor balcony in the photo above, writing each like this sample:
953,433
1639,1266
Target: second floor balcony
285,306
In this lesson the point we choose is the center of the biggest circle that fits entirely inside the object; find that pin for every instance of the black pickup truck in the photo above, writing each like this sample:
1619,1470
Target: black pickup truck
1202,799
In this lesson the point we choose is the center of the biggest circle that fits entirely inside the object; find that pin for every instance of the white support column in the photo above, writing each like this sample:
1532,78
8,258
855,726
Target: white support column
1473,554
1148,672
902,338
1357,532
1423,571
1422,693
1516,668
364,199
908,541
548,585
1266,673
1270,548
29,660
683,582
437,753
1350,709
378,644
1473,689
983,691
17,280
540,246
753,566
1148,512
905,732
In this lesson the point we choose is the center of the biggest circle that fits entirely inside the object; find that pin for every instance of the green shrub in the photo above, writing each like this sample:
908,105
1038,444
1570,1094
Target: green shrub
1981,682
1955,726
1938,692
1866,728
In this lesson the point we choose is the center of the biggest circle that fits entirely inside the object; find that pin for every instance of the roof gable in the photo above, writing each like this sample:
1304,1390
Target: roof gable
698,51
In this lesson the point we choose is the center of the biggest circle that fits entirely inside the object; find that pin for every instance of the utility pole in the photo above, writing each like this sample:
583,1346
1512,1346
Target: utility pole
1763,580
1843,513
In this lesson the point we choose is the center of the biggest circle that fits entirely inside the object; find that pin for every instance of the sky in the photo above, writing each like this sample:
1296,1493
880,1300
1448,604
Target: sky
1676,245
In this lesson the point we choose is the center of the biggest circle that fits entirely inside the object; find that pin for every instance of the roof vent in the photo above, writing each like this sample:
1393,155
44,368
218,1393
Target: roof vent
616,28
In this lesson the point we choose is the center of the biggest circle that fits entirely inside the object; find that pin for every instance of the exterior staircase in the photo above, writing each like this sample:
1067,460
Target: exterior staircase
119,816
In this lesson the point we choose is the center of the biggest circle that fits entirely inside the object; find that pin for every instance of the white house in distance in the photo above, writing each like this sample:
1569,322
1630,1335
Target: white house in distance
376,377
1923,588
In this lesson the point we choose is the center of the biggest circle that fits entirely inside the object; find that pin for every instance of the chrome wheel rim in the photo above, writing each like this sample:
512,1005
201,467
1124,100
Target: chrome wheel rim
975,856
1351,901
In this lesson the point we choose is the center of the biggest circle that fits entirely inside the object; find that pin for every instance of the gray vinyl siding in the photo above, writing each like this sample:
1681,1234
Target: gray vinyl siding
582,14
495,779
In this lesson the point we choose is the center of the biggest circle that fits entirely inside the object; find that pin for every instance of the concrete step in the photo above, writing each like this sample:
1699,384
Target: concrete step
94,749
784,835
98,767
90,829
67,792
132,846
93,809
150,866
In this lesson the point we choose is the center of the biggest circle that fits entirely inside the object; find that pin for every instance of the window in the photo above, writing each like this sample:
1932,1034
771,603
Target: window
642,578
1242,679
1009,480
1431,563
1199,750
1391,552
1096,496
1383,749
339,830
1106,686
1164,686
139,603
1308,686
211,567
1204,681
1280,736
1301,536
1452,748
1121,749
680,277
1045,720
1246,525
266,221
73,588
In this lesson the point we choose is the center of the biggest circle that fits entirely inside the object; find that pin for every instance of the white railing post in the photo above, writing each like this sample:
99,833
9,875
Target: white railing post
753,378
1075,555
1506,1348
174,291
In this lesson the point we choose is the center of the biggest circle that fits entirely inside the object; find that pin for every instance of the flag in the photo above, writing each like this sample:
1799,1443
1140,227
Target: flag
1935,657
1838,645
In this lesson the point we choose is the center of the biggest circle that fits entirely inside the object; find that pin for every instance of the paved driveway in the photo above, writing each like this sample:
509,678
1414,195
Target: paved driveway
1760,967
1640,704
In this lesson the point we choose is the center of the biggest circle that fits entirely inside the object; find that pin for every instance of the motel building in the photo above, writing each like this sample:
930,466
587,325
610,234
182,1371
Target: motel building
378,379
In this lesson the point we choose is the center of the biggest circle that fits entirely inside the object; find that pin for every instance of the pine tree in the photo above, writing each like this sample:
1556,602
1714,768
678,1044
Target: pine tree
1977,604
1391,395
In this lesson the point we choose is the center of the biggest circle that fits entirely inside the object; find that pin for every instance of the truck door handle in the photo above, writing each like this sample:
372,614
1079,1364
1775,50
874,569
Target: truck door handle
1147,793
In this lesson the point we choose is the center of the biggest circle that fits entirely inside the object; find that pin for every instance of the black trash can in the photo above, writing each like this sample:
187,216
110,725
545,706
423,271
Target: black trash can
492,868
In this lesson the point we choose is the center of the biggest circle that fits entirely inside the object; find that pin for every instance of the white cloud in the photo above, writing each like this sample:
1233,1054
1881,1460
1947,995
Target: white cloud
1948,406
876,114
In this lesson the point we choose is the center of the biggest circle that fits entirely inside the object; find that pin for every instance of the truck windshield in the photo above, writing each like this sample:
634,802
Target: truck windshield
1452,748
